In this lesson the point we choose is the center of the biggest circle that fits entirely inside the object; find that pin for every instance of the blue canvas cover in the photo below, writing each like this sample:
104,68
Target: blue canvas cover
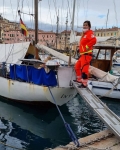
31,74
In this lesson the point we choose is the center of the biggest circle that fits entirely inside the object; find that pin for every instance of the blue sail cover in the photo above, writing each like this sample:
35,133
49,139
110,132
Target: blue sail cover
31,74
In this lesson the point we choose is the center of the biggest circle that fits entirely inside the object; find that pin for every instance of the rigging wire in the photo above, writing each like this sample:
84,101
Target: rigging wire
70,16
87,10
54,1
115,13
31,15
40,15
3,7
22,5
11,8
61,15
50,14
11,49
84,7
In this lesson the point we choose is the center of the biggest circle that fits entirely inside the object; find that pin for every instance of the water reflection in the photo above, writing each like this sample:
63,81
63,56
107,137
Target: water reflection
26,127
84,118
113,104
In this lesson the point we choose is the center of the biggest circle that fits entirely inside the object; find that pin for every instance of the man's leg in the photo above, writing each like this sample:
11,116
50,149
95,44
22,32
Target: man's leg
78,70
85,63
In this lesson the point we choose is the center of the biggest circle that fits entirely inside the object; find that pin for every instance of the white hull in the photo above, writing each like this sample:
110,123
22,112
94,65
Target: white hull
103,88
27,92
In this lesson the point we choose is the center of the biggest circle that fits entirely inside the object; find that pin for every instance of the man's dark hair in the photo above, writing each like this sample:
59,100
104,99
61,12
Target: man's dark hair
88,22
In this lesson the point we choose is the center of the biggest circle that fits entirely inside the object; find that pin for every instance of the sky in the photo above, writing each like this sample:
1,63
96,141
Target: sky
94,10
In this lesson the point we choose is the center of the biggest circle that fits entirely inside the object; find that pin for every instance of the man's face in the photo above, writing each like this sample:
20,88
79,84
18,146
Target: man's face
85,26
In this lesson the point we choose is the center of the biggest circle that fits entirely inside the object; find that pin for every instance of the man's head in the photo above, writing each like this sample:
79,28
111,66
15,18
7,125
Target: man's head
86,26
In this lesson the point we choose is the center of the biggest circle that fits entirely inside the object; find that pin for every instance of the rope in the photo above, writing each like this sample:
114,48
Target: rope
67,126
85,145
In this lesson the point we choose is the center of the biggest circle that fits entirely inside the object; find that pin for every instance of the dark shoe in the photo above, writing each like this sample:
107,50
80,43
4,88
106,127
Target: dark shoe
82,86
77,81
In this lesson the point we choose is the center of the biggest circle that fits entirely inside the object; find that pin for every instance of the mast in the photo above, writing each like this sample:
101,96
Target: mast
36,25
107,18
57,28
73,16
72,30
66,30
36,20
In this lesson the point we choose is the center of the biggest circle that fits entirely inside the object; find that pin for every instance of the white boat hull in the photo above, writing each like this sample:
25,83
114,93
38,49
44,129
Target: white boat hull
103,88
27,92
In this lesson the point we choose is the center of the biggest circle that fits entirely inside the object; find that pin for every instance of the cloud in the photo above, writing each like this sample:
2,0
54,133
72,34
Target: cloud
93,10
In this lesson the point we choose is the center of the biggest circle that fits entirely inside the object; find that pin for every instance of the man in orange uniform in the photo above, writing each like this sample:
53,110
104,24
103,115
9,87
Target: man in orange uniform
86,46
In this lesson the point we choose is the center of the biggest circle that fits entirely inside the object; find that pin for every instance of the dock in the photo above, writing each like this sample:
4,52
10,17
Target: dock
104,140
103,112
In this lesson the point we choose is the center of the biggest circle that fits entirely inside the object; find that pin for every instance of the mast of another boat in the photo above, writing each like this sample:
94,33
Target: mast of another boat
36,26
57,29
72,31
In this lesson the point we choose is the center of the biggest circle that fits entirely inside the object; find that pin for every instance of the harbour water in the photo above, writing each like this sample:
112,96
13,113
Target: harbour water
31,128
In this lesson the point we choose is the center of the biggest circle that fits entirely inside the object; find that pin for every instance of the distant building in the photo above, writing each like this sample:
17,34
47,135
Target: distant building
63,40
15,36
8,25
1,32
110,32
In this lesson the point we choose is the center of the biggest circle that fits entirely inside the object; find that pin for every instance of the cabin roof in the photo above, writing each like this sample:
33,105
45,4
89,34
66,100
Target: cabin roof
106,47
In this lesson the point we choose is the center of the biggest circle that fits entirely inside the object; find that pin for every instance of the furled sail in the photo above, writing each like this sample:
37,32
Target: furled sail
56,54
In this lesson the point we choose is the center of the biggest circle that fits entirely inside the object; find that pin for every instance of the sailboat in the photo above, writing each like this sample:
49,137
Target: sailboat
22,81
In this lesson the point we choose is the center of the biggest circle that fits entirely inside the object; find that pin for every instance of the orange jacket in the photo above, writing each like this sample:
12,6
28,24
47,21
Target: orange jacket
87,41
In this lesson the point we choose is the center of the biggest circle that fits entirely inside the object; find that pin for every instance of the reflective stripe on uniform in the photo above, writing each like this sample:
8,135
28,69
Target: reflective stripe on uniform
86,46
86,52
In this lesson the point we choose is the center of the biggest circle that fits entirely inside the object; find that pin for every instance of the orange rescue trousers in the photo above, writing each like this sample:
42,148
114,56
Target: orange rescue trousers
82,68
